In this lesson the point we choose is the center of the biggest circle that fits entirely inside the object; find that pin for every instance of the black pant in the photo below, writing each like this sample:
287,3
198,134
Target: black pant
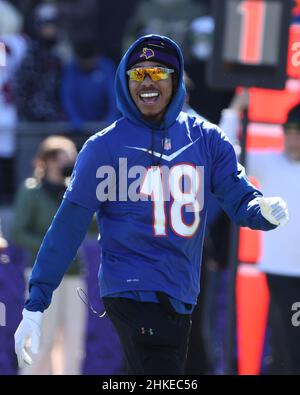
284,337
153,341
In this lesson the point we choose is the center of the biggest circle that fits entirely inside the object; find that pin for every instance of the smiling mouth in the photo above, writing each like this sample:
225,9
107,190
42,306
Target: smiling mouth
149,97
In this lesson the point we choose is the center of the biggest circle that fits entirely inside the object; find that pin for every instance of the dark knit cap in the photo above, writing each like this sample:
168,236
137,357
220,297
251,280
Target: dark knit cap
154,50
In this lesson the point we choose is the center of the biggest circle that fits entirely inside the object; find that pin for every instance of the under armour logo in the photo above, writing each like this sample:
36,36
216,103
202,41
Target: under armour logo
147,331
147,53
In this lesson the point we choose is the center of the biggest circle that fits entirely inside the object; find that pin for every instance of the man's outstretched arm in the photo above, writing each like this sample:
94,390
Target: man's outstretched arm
246,206
244,203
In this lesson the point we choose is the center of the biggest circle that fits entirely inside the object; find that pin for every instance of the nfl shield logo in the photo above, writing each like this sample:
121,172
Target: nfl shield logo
166,143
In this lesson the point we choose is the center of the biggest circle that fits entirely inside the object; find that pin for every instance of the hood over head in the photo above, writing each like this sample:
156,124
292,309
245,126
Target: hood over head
126,104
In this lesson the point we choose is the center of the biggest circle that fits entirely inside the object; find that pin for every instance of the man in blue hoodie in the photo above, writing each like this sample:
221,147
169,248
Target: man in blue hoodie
147,177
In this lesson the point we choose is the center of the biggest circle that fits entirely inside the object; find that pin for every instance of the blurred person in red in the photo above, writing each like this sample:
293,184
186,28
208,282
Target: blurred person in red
36,203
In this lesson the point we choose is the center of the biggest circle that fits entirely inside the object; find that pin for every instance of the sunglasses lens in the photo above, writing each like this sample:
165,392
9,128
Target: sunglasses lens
155,73
158,74
136,75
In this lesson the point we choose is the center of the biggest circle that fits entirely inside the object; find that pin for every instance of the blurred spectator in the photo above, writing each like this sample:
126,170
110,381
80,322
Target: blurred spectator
13,47
98,19
190,86
278,174
114,13
209,102
81,15
39,77
11,298
202,29
88,86
36,203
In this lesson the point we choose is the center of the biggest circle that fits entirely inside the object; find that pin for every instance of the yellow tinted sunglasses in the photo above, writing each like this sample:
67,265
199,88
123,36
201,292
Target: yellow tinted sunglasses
156,73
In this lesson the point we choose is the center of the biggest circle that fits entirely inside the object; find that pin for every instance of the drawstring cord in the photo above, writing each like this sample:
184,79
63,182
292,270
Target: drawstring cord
85,300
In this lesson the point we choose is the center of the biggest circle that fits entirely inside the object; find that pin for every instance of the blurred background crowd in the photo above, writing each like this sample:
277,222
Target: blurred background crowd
56,89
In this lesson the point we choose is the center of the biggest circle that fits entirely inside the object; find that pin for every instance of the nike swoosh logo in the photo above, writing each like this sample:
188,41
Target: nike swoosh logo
168,158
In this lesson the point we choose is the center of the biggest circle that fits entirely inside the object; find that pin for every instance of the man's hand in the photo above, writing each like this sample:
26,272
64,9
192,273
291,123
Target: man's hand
274,209
27,336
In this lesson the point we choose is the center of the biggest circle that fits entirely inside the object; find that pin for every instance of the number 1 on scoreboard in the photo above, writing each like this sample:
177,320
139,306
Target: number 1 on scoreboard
252,30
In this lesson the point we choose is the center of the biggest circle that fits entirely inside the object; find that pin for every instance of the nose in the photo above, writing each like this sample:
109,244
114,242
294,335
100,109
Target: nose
147,81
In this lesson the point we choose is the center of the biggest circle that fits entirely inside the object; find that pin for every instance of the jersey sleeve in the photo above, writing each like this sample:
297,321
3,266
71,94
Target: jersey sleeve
57,252
232,187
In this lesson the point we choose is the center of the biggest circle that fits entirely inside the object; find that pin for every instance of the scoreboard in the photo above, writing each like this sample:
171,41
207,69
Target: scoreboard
250,43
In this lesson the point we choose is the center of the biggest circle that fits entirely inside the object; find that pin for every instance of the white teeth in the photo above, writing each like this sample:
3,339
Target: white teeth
150,94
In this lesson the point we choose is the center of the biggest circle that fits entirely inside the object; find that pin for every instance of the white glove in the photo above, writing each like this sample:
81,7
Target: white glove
274,209
28,336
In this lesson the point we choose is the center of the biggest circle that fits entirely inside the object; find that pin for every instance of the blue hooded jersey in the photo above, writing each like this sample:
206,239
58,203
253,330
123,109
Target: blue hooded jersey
152,242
